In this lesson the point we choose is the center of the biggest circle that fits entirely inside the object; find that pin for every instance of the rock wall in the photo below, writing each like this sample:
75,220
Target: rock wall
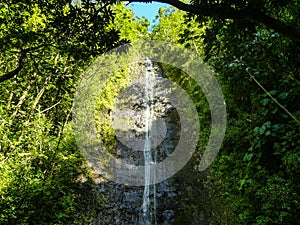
181,199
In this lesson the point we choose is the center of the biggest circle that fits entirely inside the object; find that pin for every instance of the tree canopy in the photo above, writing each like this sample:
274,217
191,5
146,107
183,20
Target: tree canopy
31,28
274,14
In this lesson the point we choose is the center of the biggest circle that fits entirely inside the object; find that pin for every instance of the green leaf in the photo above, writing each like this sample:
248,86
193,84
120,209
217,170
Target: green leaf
283,95
265,101
248,156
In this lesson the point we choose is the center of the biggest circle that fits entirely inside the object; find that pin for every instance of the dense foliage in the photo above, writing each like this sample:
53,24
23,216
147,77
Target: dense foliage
255,177
254,180
258,170
45,45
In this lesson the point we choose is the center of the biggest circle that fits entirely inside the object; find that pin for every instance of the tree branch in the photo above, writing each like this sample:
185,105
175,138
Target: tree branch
231,13
14,72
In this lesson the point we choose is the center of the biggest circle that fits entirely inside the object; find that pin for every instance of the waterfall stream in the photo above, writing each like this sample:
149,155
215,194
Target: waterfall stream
149,207
152,136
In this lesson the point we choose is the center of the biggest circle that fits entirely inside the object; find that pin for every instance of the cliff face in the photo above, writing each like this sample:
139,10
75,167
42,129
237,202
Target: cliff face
181,199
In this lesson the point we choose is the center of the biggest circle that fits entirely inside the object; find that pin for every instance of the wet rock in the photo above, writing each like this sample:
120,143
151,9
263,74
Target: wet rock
124,204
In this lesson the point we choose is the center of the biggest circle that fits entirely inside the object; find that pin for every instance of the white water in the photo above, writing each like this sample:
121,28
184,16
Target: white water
149,207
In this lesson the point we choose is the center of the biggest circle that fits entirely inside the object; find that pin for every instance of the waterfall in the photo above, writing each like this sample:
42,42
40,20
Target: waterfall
149,207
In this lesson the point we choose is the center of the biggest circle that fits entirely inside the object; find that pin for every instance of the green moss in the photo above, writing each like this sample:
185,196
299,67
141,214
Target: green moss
106,103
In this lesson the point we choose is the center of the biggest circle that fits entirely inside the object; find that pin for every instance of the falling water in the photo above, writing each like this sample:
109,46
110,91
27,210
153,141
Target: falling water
149,207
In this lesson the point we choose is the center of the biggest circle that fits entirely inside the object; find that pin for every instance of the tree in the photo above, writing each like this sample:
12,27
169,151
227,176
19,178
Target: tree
274,14
29,28
131,29
45,46
255,177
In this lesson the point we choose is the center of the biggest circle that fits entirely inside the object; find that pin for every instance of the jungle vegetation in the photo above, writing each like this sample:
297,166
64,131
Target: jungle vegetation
253,47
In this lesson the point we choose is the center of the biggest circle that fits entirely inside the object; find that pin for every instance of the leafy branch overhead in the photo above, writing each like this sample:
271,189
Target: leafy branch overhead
265,12
76,30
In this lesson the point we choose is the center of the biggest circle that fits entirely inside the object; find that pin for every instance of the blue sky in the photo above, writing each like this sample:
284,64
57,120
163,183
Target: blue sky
149,10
